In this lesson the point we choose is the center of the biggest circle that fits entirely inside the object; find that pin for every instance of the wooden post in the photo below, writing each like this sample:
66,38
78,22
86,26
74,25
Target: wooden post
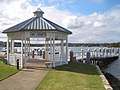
88,57
119,53
100,53
33,53
43,52
71,56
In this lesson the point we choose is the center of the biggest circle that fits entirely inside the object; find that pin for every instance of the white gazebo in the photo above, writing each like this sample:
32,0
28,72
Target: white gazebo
38,27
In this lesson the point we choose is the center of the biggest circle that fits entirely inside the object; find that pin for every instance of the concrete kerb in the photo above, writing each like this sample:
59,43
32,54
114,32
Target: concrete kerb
105,81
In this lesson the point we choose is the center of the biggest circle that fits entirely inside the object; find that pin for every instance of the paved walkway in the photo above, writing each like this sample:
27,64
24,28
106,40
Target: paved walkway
28,78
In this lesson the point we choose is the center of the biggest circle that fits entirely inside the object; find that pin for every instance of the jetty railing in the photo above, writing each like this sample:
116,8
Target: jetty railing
82,55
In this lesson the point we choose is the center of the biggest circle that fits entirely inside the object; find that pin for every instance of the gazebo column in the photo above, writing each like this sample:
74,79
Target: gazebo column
10,45
25,49
22,52
51,63
62,52
53,49
29,47
46,48
7,50
66,49
47,51
12,50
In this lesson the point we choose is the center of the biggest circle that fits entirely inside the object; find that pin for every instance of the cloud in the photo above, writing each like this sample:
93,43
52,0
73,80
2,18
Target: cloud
72,22
96,27
14,12
98,24
17,11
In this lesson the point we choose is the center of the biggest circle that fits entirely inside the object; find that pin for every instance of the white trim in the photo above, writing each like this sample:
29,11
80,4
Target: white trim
25,50
7,50
12,46
22,52
62,51
29,49
53,49
46,49
67,50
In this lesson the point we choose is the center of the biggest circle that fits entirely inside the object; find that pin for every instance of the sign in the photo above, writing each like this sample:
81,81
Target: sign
38,35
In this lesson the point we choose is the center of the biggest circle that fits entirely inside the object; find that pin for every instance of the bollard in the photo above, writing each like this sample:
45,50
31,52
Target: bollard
32,54
88,57
17,64
43,54
71,56
119,53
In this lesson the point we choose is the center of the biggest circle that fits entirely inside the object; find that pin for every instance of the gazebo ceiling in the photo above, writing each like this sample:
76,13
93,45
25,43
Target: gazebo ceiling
37,23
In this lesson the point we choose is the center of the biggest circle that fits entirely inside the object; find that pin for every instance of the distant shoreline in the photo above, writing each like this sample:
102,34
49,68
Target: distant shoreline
18,44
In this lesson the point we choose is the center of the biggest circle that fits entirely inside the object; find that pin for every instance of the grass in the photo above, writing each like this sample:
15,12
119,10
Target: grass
6,70
74,76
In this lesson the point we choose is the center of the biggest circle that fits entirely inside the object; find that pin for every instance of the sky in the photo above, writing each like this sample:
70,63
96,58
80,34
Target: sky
91,21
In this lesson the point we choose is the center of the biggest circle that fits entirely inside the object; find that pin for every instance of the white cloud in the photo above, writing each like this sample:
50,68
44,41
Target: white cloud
13,12
97,27
55,15
98,24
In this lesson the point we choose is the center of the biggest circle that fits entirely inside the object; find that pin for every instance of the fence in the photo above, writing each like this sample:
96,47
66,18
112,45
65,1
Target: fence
83,55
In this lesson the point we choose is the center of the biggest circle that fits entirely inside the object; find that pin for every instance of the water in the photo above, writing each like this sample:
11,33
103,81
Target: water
78,49
3,49
74,49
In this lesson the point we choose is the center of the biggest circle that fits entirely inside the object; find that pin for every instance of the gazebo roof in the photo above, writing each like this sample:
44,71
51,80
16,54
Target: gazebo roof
37,23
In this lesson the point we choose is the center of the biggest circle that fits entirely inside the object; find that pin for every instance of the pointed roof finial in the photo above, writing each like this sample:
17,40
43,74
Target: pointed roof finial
38,13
